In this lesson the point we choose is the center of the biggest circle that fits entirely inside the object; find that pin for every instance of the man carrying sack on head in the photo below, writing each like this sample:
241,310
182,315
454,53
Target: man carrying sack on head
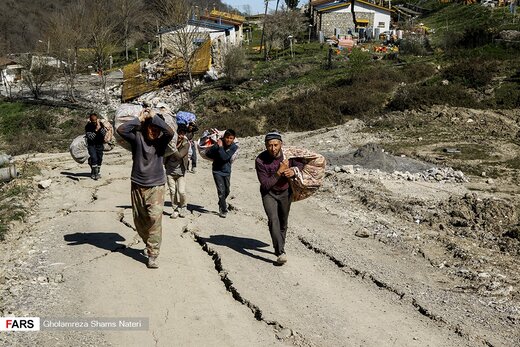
95,133
273,174
149,136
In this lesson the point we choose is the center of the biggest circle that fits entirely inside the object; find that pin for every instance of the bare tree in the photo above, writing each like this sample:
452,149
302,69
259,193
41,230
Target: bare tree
67,31
279,26
130,13
182,42
100,31
38,70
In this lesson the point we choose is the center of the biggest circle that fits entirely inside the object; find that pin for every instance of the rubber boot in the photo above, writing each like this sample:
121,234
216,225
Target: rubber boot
98,172
93,172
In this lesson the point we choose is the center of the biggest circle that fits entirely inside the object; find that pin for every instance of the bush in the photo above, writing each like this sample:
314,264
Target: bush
418,96
507,96
414,46
474,73
235,65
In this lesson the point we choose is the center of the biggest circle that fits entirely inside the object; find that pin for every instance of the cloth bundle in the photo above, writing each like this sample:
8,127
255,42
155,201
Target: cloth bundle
309,179
208,139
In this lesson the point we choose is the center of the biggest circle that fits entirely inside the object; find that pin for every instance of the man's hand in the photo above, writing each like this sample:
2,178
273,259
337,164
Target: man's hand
284,165
219,142
144,115
98,125
289,173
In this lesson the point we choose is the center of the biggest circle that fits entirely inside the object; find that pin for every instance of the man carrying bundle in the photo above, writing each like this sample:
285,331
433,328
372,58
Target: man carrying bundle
95,132
222,154
149,136
273,174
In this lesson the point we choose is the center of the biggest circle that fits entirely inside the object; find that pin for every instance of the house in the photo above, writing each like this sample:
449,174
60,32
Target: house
226,18
220,35
334,18
10,71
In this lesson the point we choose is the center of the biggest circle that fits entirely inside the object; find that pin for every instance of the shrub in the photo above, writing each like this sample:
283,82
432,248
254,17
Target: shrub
417,96
473,73
235,65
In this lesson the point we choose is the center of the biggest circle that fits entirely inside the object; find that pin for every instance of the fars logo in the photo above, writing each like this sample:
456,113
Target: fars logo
19,323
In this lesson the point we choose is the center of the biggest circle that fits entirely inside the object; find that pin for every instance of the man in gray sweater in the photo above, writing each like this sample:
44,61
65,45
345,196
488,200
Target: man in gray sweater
149,136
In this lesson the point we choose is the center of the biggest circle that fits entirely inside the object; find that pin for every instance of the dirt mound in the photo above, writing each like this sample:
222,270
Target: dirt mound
373,157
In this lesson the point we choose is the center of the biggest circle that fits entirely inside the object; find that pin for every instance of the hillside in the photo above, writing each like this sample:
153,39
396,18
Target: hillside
24,22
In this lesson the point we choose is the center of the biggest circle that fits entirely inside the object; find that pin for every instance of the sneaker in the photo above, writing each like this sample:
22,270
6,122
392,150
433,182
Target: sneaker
193,170
222,214
182,212
282,259
174,215
152,263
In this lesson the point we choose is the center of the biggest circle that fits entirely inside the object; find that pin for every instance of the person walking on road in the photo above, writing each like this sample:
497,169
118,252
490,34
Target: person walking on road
176,165
149,136
192,129
95,132
273,174
222,153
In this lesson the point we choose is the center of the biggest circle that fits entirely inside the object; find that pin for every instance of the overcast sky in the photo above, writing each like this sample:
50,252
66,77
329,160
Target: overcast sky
256,6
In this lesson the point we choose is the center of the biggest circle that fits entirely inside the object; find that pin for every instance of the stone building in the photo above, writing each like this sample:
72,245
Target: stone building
334,18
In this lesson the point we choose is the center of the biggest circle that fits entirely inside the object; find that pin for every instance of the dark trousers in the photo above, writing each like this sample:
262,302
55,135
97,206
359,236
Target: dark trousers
277,208
222,183
193,155
95,153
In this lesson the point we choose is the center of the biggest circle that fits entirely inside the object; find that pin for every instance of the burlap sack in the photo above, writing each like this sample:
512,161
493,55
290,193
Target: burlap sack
127,112
78,149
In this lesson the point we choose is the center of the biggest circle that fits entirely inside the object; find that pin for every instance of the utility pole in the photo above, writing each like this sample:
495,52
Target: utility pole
263,34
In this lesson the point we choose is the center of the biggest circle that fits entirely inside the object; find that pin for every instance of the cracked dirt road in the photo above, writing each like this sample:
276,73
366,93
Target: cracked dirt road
217,284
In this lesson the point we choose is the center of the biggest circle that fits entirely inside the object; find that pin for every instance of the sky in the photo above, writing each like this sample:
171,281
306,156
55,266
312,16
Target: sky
257,6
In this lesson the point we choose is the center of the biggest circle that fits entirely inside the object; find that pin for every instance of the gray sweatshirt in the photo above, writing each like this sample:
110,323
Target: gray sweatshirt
147,167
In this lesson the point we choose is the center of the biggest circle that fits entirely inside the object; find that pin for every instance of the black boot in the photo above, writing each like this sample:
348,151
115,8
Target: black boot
98,173
93,172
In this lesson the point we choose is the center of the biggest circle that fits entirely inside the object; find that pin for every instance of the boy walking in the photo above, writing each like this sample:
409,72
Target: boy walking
221,153
176,166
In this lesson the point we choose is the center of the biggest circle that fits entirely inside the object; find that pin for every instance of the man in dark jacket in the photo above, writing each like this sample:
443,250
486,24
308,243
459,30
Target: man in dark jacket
149,136
273,174
222,152
95,132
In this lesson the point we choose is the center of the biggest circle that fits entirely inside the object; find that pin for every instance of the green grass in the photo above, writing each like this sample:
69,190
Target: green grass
29,128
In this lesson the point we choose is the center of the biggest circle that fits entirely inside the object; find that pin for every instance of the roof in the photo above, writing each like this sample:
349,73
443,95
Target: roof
199,23
221,20
330,6
228,16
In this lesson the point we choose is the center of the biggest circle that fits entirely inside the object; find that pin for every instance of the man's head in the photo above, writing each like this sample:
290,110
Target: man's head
273,143
93,117
182,130
229,137
150,131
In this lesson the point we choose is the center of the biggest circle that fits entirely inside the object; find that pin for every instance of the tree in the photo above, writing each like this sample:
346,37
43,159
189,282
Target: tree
37,71
100,31
130,13
279,26
183,39
67,32
234,66
292,4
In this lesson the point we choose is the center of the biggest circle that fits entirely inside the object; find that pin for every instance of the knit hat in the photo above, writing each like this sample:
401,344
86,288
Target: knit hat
273,135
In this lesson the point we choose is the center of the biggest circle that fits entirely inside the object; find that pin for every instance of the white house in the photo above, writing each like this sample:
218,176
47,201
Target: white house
335,17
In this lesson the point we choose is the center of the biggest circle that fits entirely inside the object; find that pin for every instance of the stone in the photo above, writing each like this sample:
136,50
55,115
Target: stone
348,169
445,82
45,184
337,169
59,278
42,279
284,334
363,233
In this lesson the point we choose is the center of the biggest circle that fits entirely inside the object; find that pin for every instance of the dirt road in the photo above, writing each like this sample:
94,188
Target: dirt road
217,285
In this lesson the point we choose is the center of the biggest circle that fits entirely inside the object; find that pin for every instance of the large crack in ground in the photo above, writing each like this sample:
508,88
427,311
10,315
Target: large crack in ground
294,337
402,296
